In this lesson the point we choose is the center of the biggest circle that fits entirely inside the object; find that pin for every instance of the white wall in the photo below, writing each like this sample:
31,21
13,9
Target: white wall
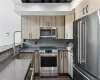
74,3
42,8
9,22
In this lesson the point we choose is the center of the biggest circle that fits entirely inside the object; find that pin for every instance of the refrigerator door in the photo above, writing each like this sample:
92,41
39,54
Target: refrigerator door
77,30
99,48
80,74
90,44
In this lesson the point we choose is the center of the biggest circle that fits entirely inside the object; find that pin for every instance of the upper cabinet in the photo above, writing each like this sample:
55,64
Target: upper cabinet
60,20
30,27
47,21
86,7
69,26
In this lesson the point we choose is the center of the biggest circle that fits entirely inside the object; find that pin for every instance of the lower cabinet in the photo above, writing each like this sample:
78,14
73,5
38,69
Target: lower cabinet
26,55
70,64
30,73
63,62
35,59
36,62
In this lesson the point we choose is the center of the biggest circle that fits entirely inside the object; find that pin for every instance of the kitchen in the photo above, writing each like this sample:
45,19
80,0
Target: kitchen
56,41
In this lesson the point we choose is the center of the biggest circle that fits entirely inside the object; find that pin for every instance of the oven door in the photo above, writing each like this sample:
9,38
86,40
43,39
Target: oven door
48,65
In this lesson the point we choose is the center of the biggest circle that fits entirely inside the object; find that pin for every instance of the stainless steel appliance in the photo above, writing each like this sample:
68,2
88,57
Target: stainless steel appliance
48,32
48,62
86,47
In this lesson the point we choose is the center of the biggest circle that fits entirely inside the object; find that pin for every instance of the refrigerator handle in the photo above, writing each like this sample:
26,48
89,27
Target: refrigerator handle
83,54
85,42
78,42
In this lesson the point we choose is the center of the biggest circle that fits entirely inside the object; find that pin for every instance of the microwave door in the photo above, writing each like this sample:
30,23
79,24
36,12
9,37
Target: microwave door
45,32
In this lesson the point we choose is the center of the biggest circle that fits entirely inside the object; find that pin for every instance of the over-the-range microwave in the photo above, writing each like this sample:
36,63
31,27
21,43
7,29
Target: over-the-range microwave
48,32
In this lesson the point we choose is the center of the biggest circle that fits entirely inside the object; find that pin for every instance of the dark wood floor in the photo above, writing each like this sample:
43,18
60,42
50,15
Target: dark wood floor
58,78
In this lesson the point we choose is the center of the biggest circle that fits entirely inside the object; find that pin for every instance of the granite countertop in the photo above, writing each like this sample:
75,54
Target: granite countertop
16,70
37,48
7,47
28,49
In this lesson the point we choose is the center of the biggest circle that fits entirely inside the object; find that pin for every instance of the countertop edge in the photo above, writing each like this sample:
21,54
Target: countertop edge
10,47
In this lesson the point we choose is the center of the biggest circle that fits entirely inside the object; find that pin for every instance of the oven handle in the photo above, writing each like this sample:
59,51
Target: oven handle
48,54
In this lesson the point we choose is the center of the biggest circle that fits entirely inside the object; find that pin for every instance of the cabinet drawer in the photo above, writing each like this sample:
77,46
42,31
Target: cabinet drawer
26,56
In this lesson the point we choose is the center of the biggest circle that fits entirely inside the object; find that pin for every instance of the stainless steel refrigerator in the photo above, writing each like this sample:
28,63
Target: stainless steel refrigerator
87,47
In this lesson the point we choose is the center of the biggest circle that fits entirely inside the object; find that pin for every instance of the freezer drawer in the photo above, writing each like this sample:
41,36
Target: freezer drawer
80,74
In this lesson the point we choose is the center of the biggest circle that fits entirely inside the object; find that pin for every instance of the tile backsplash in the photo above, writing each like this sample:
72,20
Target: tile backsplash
46,42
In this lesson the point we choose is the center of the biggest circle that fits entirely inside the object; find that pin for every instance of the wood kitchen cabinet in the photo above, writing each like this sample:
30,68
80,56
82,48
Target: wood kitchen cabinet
69,26
47,21
30,27
60,25
65,53
36,62
63,62
27,55
70,64
86,7
24,28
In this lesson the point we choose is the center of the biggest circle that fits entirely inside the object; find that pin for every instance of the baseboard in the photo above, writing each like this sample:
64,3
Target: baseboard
36,74
60,74
70,77
48,76
63,74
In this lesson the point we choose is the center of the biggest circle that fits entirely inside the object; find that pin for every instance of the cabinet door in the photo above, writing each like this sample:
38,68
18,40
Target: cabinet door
26,56
36,63
25,28
41,21
80,10
93,5
35,28
53,21
60,27
69,63
61,62
65,61
49,21
71,73
69,26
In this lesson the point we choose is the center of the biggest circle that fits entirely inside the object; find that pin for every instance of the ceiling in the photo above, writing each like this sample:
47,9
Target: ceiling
45,8
46,1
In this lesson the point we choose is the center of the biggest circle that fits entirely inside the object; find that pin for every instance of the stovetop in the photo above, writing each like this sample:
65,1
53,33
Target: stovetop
47,48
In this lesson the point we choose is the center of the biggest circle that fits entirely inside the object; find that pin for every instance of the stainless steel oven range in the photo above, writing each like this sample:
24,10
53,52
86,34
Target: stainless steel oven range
48,62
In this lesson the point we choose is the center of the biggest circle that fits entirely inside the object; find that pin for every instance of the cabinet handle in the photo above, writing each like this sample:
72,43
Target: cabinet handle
29,35
48,23
83,10
61,54
87,8
65,54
